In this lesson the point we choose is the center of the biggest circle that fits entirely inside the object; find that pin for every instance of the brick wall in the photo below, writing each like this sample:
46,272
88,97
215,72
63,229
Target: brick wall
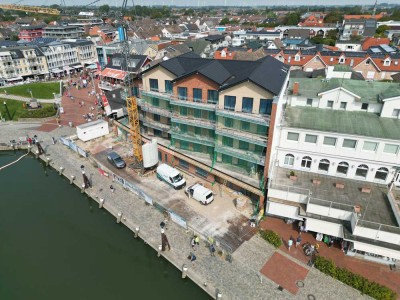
196,81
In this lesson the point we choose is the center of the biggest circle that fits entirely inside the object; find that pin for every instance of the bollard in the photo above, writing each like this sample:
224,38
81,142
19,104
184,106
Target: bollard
101,203
61,170
47,161
72,179
119,216
29,148
219,294
83,188
37,154
136,232
159,250
184,271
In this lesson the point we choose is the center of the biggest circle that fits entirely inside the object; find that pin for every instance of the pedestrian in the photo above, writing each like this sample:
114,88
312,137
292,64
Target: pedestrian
290,242
197,240
112,189
53,140
192,258
298,240
212,249
164,242
30,141
193,244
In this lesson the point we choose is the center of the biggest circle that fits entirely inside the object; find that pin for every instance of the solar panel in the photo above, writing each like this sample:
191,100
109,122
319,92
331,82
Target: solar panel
387,48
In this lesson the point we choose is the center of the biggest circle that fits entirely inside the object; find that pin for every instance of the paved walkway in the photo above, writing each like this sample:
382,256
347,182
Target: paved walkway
26,99
240,279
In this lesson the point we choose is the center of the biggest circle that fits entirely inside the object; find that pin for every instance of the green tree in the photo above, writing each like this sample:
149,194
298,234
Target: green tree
292,19
224,21
104,9
380,31
333,17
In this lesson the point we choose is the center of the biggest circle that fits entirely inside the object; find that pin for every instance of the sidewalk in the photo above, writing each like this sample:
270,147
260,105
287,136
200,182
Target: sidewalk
26,99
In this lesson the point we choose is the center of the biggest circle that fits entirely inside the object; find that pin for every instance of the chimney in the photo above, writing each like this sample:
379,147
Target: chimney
296,88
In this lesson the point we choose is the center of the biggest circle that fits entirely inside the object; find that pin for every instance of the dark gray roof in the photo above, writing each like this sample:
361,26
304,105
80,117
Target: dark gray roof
268,72
116,99
138,61
213,38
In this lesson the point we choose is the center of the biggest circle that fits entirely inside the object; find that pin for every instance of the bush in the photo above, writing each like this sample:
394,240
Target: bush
44,112
271,237
356,281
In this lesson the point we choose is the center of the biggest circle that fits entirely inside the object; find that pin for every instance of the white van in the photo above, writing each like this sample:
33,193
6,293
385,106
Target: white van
171,176
200,193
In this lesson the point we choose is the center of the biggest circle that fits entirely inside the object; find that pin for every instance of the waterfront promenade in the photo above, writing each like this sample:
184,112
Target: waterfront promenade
239,279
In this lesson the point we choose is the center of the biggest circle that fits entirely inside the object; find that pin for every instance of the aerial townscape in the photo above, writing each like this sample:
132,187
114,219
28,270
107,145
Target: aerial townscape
254,149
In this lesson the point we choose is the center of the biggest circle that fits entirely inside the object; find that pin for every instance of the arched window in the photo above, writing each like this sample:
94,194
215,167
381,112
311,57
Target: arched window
289,160
362,171
323,165
306,162
342,168
381,174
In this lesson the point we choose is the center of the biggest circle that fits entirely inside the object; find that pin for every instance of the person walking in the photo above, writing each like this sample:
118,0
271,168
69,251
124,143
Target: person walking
290,242
193,244
164,241
212,249
197,240
298,240
112,189
192,258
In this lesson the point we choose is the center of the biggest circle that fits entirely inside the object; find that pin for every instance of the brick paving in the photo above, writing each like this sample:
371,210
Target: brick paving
379,273
239,279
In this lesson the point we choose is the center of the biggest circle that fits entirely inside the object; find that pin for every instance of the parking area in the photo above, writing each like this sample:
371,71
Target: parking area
220,219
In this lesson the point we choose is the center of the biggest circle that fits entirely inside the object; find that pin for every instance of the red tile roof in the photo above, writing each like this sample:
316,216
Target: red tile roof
371,41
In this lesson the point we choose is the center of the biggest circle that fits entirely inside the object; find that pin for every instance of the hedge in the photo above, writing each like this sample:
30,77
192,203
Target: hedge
356,281
271,237
44,112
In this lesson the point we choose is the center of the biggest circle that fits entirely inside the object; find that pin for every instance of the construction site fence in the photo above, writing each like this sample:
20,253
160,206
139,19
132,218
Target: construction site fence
71,145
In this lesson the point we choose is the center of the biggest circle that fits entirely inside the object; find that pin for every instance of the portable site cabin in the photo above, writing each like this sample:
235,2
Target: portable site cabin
92,130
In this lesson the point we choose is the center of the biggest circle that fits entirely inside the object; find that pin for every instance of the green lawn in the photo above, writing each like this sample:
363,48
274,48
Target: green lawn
17,110
40,90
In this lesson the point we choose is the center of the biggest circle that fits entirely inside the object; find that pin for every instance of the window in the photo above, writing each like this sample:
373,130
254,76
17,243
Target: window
309,102
343,105
306,162
362,171
364,106
201,172
182,93
297,57
392,149
166,157
157,118
243,145
159,156
197,95
329,104
342,168
396,113
245,126
293,136
247,105
230,102
310,138
289,160
323,165
183,111
228,122
330,141
212,96
370,146
227,141
368,62
183,164
265,106
381,174
168,86
153,85
347,143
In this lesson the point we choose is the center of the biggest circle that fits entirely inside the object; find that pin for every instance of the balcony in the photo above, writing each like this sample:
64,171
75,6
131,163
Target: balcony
155,124
243,136
242,154
193,104
144,106
208,124
108,86
193,138
252,118
163,96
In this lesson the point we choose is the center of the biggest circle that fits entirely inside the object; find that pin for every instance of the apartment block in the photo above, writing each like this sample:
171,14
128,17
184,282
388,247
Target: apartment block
335,163
29,33
213,118
63,32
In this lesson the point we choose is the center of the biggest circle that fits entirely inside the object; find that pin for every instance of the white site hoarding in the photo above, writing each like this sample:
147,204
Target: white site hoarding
150,154
92,130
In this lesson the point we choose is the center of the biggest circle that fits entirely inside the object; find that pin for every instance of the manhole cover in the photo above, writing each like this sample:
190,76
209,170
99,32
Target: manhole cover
300,283
311,297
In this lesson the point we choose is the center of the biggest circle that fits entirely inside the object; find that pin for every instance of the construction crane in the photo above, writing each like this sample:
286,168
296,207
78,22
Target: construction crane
28,8
93,2
131,102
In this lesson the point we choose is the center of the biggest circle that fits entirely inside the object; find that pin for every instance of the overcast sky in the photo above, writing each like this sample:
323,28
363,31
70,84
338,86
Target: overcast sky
205,2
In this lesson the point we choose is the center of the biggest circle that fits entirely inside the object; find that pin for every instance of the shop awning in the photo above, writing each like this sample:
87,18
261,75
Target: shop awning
56,71
113,73
67,68
282,210
329,228
15,78
376,250
92,67
77,66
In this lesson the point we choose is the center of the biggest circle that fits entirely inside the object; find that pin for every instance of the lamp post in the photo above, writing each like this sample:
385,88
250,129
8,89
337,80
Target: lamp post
8,112
30,91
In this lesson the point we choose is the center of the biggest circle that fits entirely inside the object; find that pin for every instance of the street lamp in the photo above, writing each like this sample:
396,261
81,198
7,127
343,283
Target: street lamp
30,91
8,112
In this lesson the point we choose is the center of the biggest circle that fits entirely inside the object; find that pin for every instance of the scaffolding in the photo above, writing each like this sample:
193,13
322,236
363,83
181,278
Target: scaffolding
133,116
34,9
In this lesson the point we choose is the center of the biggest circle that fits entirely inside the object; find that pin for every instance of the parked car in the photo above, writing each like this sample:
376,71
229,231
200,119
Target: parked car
171,176
200,193
116,160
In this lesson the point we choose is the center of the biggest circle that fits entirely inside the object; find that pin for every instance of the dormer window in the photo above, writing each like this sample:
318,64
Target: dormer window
331,59
368,62
116,62
297,58
386,62
341,60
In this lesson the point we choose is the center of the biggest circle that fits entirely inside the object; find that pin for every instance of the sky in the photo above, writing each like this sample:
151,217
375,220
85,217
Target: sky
205,2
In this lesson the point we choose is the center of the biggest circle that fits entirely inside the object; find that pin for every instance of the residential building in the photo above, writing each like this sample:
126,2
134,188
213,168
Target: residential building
335,163
214,118
63,32
312,19
86,51
29,33
358,28
106,32
20,63
62,58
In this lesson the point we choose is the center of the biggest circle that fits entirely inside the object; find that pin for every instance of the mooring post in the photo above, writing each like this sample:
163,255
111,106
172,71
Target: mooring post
29,148
61,170
83,188
47,161
37,154
72,179
101,203
159,250
119,216
219,295
136,232
184,271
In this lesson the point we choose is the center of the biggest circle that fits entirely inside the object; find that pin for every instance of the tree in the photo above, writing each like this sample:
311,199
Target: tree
292,19
224,21
380,31
333,17
332,34
104,8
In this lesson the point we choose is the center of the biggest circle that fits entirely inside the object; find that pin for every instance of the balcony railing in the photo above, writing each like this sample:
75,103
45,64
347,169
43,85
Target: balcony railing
144,106
209,124
155,124
191,137
194,103
108,86
253,118
242,135
242,154
159,95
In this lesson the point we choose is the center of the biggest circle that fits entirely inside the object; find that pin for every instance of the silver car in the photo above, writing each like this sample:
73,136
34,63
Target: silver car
116,160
